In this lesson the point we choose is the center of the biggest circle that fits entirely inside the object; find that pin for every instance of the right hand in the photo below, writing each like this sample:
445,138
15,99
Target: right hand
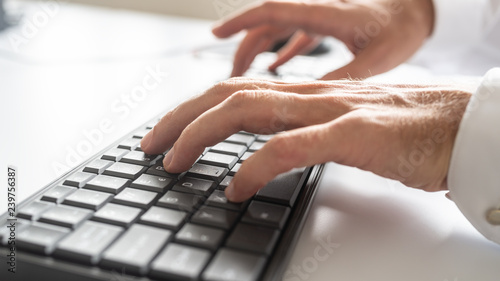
380,33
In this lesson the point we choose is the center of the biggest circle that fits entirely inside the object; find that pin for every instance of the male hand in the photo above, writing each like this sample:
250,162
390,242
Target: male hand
380,33
403,132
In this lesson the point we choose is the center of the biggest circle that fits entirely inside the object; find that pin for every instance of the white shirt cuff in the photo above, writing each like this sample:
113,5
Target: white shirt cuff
474,174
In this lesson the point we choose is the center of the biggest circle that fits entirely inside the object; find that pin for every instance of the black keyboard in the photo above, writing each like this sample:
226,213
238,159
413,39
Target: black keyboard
121,216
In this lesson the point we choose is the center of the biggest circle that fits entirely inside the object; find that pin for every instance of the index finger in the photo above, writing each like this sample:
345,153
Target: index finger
290,14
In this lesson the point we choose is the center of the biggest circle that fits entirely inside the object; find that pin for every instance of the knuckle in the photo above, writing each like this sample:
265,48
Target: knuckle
241,98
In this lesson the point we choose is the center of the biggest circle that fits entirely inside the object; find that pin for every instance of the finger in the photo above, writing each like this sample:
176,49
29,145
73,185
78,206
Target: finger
251,111
253,44
300,43
280,13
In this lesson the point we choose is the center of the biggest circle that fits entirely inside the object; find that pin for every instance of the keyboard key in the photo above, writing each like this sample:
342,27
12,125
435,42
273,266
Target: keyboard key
117,214
245,156
57,193
97,166
217,159
152,183
229,148
163,217
207,172
141,133
235,169
65,216
179,262
89,199
268,214
256,146
87,243
107,184
194,186
264,138
140,158
40,238
124,170
180,201
10,228
218,199
253,238
216,217
129,144
136,248
225,182
114,154
33,210
78,179
233,265
135,198
158,170
283,189
242,139
200,236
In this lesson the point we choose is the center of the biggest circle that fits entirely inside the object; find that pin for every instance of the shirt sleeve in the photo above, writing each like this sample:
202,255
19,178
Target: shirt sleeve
474,174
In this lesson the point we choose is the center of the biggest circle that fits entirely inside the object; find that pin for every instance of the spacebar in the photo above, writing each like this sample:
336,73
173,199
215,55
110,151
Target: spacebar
285,188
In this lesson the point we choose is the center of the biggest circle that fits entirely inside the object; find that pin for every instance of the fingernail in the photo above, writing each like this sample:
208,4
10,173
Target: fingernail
146,140
168,158
230,192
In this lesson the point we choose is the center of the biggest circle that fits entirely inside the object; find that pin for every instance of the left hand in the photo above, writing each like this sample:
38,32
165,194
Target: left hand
403,132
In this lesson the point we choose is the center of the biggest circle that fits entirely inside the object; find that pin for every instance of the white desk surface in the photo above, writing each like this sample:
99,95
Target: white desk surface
67,79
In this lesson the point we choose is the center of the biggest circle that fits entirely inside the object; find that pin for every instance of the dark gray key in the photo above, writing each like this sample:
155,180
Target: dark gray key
87,243
163,217
233,265
217,159
124,170
179,262
225,182
256,146
107,184
200,236
195,186
235,169
242,139
158,170
283,189
245,156
65,216
97,166
57,193
136,248
135,198
40,238
140,158
89,199
216,217
263,213
152,183
117,214
141,133
264,138
114,154
258,239
207,172
10,228
78,179
180,201
229,148
218,199
129,144
33,210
